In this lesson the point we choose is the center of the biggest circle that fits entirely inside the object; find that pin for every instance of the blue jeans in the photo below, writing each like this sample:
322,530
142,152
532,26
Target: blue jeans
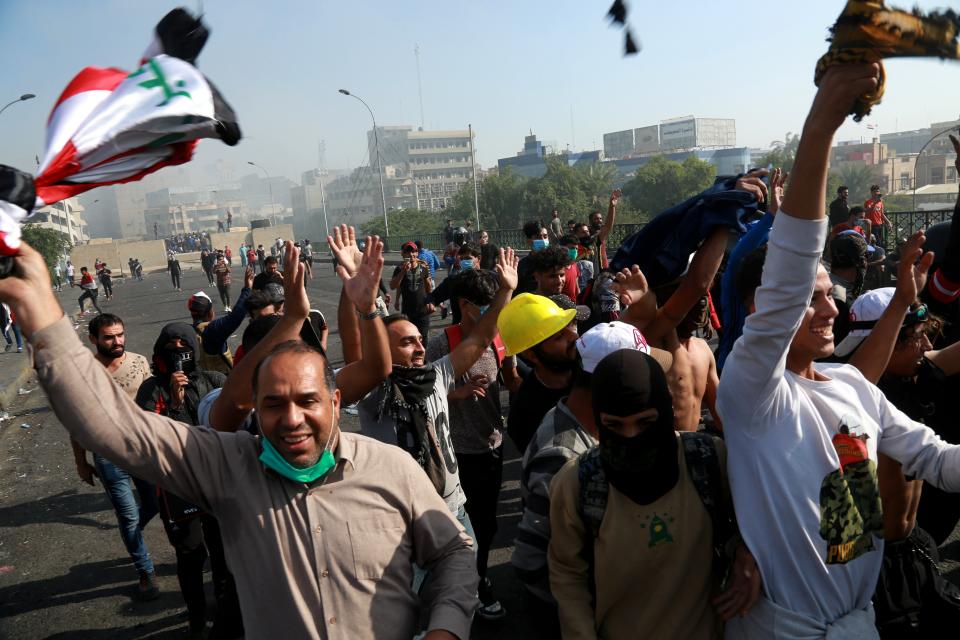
420,574
131,518
16,334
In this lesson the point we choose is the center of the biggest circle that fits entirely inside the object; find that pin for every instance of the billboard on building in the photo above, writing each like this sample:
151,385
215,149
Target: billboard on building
646,139
618,144
716,132
678,133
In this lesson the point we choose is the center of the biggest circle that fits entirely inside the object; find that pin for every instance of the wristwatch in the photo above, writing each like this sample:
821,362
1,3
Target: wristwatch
376,313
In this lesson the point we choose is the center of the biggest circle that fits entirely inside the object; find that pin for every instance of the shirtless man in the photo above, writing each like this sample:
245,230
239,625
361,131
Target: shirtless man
693,377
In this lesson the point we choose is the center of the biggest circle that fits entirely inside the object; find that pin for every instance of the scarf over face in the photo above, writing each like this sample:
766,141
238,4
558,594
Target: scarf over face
643,467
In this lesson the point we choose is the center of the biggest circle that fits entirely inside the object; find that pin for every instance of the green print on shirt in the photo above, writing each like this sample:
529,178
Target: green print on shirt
658,530
850,510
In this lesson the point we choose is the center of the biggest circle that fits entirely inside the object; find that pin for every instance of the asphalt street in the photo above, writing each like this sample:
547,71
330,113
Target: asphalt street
64,572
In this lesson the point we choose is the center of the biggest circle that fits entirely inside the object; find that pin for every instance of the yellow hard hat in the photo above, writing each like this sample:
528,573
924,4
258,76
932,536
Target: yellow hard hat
530,319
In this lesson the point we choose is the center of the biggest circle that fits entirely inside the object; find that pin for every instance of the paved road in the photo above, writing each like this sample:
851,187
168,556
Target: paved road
63,570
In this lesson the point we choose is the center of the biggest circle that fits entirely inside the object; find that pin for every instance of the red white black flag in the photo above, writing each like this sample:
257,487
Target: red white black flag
111,126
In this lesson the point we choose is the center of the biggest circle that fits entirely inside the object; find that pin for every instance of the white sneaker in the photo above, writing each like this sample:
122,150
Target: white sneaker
227,309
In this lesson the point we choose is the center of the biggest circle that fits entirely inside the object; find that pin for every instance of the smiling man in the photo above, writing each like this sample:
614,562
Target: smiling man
320,526
803,439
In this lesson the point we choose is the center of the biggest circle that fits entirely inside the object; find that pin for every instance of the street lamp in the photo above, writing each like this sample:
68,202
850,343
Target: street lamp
273,212
917,162
23,98
376,140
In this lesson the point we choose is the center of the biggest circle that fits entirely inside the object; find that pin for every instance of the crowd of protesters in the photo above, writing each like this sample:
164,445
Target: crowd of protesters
795,482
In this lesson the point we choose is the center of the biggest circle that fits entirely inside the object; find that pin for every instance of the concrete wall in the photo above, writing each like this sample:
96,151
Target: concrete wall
115,253
268,235
232,239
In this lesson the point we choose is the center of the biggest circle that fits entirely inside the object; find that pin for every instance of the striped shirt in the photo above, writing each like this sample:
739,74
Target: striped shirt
559,438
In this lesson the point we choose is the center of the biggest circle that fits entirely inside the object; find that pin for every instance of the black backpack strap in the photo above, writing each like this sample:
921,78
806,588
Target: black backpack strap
594,489
703,466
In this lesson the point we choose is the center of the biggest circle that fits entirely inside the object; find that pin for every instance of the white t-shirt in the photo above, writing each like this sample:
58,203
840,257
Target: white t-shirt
802,453
385,429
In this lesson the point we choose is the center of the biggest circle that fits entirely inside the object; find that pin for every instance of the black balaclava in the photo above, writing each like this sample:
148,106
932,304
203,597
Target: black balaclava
644,467
163,358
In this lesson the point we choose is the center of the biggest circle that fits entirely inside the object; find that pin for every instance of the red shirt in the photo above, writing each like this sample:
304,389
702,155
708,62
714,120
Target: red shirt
570,288
873,211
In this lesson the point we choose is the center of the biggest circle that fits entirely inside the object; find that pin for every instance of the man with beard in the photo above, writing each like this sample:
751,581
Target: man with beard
410,408
175,392
636,506
128,370
545,336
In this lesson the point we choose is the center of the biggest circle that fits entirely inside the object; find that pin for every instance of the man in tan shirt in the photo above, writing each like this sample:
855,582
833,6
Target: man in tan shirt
320,527
108,336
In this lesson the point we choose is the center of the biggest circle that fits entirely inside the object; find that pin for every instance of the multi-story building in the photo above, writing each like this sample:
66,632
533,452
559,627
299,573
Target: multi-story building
65,217
355,198
677,134
437,162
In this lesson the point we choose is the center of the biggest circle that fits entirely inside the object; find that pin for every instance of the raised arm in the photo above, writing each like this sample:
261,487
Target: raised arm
96,412
758,360
215,334
346,254
469,351
235,401
607,227
874,354
360,289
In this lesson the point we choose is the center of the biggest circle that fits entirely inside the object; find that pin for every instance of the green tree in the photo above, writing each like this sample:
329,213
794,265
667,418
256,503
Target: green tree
782,153
405,224
858,177
51,244
662,183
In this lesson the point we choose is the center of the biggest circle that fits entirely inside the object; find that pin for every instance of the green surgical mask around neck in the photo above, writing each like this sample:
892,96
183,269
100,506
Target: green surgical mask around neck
273,460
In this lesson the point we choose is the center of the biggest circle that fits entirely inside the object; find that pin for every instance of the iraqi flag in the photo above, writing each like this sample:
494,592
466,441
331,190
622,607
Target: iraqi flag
111,126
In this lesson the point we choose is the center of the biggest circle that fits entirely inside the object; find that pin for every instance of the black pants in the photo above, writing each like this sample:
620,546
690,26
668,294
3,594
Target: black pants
209,273
224,290
90,294
480,476
175,278
107,286
422,323
193,540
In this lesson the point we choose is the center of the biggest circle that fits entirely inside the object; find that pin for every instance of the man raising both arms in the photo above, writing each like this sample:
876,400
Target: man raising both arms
803,439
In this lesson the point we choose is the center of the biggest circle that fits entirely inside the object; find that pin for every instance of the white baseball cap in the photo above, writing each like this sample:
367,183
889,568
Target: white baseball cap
866,308
604,339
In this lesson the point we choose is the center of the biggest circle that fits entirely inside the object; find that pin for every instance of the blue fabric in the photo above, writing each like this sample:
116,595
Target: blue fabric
431,259
131,518
663,246
732,312
215,334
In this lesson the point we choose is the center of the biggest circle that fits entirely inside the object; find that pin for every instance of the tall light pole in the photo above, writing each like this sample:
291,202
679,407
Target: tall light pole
23,98
273,211
376,141
473,172
917,162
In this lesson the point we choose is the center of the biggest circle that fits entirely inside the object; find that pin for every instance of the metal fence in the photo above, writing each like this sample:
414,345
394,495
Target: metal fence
905,223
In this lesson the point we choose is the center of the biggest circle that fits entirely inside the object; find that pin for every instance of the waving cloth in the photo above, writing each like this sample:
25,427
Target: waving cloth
110,126
405,400
867,31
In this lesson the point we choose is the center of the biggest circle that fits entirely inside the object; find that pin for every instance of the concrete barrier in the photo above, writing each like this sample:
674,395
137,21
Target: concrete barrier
150,253
268,235
232,239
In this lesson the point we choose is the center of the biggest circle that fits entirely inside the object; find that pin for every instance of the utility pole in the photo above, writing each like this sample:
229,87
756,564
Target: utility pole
416,53
473,171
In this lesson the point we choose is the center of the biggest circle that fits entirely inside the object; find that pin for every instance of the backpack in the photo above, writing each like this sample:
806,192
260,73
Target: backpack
455,336
703,467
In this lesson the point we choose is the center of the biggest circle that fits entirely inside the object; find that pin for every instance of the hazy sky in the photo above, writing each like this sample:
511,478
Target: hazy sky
502,65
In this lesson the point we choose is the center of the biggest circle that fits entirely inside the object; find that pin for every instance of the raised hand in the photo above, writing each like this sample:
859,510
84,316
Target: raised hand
248,278
630,285
507,269
296,304
912,275
752,183
343,244
615,197
363,284
840,87
777,179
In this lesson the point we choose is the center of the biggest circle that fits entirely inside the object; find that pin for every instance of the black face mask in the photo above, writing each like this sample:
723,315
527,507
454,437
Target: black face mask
643,467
